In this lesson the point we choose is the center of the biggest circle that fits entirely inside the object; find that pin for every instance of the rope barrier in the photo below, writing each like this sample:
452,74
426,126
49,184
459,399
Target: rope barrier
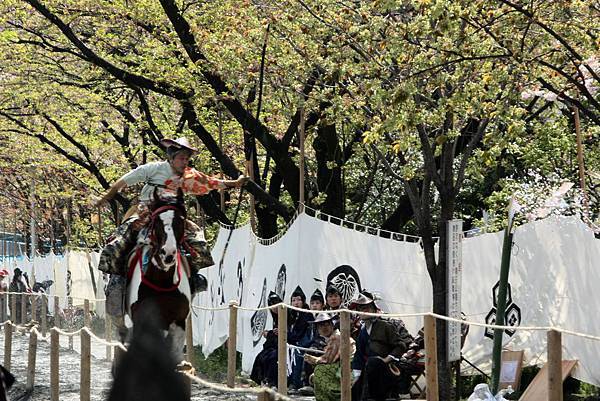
316,351
336,311
42,294
237,390
86,334
423,314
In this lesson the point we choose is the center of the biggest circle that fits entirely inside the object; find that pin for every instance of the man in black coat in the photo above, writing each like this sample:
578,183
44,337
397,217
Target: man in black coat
380,345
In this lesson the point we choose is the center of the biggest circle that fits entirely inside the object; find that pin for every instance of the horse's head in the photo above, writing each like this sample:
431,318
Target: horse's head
166,229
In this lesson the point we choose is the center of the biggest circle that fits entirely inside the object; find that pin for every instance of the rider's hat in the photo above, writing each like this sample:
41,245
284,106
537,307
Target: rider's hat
178,144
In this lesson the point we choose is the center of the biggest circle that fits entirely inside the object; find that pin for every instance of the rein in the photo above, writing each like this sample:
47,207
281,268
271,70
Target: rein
138,259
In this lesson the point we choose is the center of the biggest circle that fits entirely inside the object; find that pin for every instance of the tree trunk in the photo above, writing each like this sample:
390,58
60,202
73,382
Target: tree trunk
266,217
329,171
440,296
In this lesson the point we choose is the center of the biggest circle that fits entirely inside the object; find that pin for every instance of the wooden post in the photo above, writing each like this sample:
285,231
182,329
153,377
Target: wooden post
301,140
555,392
44,313
250,169
346,379
24,300
70,303
108,333
13,308
431,371
7,344
580,162
85,378
33,308
282,350
232,344
3,305
54,348
56,312
189,339
87,318
31,360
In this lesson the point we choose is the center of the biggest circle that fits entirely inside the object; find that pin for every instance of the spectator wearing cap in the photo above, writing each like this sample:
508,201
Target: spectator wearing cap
317,302
326,366
333,301
381,343
264,368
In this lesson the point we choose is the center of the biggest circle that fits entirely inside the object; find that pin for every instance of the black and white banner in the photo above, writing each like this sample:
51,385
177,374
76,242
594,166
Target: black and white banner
553,278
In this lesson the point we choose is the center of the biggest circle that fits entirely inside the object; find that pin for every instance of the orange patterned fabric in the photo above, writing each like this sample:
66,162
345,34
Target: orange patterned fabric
195,183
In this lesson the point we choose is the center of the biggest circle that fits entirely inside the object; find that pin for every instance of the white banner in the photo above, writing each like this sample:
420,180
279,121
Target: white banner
454,269
553,276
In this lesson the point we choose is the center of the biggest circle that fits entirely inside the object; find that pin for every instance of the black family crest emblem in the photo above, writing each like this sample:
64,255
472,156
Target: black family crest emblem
512,314
347,281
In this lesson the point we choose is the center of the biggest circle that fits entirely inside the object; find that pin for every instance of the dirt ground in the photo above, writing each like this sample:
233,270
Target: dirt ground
70,372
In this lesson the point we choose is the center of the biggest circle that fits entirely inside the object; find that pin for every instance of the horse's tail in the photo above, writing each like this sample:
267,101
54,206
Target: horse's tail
147,371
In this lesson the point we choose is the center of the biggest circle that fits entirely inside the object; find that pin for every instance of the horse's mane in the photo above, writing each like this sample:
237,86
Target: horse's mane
146,371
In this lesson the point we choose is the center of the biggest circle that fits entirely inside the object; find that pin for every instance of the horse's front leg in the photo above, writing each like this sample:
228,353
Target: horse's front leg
176,341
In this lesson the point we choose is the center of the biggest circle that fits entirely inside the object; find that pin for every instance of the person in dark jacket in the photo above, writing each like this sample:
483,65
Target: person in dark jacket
317,301
381,343
18,284
333,301
299,334
264,369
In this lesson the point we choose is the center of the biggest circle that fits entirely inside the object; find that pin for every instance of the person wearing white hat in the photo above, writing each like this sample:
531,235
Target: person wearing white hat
166,177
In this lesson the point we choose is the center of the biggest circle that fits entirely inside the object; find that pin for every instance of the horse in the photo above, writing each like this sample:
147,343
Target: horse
147,371
158,273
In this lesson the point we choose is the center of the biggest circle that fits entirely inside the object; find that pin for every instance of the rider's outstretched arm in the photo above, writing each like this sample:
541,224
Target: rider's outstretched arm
112,191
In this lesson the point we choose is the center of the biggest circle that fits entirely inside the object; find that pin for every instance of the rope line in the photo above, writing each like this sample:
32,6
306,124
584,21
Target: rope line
238,390
314,312
40,295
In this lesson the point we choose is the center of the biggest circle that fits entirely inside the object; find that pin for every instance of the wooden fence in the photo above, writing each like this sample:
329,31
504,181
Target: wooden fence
40,329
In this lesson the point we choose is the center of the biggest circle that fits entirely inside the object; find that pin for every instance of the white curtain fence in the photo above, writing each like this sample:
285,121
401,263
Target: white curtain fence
553,276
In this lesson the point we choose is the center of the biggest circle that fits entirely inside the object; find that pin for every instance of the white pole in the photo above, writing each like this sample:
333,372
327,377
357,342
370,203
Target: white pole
33,231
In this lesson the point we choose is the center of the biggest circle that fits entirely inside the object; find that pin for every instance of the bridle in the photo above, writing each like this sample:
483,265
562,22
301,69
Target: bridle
157,212
152,236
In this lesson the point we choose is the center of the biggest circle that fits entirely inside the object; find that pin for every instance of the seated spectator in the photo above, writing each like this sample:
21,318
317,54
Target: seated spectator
264,369
381,343
317,302
326,378
299,334
334,300
412,361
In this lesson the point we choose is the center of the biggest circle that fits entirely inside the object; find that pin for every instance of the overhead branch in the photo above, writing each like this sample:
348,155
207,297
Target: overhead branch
119,73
